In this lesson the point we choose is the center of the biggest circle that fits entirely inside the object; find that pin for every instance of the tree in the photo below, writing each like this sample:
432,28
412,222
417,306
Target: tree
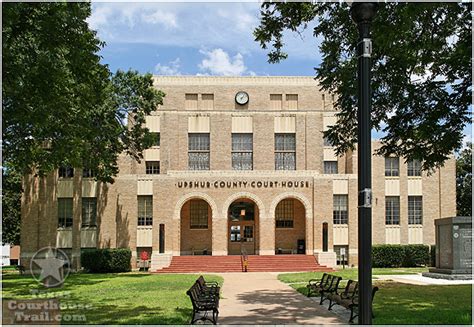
421,84
11,204
464,181
61,106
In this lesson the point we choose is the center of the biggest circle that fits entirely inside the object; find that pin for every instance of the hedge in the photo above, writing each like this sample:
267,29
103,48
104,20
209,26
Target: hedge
393,255
106,260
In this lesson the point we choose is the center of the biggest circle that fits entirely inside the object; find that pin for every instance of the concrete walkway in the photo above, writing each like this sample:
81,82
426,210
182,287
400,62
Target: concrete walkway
261,299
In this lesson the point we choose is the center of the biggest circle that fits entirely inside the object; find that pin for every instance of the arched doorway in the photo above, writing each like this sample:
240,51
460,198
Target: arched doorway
196,228
242,227
290,227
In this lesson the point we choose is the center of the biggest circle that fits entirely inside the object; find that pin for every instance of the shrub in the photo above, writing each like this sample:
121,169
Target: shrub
393,255
433,255
106,260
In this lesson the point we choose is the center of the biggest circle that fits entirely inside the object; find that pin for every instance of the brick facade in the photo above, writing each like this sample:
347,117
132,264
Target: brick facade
172,190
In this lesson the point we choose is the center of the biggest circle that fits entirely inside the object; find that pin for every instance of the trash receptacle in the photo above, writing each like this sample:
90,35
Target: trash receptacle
301,247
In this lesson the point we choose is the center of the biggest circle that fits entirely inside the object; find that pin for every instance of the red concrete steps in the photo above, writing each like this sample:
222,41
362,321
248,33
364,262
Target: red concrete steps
231,263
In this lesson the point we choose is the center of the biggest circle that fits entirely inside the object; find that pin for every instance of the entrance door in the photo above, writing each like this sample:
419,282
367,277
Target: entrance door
241,228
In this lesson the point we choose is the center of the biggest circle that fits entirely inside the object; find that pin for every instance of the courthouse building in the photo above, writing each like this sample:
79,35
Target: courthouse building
240,164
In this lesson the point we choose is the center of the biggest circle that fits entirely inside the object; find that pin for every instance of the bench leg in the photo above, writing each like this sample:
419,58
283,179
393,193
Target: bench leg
353,315
322,298
192,318
331,304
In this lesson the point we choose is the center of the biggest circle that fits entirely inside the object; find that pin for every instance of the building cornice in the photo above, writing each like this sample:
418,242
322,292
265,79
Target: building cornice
186,80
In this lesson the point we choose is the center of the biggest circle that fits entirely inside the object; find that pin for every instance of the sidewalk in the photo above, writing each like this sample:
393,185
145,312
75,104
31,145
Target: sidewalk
260,298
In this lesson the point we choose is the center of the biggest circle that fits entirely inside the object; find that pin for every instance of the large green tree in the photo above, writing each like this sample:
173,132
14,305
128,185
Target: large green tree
61,106
464,181
11,204
421,71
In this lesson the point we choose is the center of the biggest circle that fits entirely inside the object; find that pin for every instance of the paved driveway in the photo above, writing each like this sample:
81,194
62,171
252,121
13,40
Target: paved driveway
260,298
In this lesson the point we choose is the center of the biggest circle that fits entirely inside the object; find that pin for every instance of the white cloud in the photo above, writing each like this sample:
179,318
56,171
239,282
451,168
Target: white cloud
165,19
218,62
99,17
171,69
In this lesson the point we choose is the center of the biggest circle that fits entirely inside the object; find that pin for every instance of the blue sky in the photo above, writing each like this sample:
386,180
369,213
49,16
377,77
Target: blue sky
196,38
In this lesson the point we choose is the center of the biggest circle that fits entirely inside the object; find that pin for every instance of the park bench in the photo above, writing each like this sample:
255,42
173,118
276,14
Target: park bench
314,285
354,304
21,269
208,288
204,300
329,288
343,294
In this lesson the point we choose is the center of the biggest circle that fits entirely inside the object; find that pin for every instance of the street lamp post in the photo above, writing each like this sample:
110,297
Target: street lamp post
362,14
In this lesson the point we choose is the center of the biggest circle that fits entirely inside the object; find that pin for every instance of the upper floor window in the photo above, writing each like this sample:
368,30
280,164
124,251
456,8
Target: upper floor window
326,142
88,173
191,101
392,166
242,151
414,167
285,214
156,139
340,213
89,212
66,172
145,210
392,210
276,101
64,212
207,101
198,214
330,167
199,151
285,151
292,101
415,210
152,167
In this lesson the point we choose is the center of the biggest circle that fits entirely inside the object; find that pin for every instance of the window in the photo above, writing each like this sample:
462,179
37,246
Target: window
152,167
326,142
276,101
156,139
242,151
207,101
415,210
392,210
391,166
64,212
284,214
199,151
191,101
66,172
330,167
145,210
198,214
414,167
340,215
88,173
89,212
292,101
285,151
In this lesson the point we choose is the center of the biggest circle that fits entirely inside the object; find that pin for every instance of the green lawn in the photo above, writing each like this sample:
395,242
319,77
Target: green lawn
131,298
403,304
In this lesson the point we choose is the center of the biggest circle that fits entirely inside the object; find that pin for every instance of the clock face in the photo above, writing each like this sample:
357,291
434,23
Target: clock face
242,97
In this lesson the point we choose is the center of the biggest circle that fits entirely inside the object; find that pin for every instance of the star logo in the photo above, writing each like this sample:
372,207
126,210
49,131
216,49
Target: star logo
50,266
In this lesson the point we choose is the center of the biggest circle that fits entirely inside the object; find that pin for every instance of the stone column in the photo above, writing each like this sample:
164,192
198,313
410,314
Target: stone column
266,235
219,236
76,219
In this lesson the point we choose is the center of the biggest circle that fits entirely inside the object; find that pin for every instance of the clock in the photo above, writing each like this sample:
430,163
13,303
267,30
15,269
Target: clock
242,97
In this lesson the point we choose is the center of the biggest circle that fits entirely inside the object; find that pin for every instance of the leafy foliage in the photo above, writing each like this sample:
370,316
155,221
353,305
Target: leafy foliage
11,204
421,84
61,106
394,255
106,260
464,181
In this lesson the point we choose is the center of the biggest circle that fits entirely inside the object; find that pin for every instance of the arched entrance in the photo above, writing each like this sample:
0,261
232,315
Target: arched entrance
290,227
242,227
196,228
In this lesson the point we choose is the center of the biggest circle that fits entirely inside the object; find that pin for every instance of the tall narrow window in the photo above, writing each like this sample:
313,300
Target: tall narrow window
392,210
391,166
326,142
145,210
152,167
88,173
285,151
89,212
340,215
242,151
199,151
415,210
285,214
66,172
414,167
198,214
330,167
156,139
64,212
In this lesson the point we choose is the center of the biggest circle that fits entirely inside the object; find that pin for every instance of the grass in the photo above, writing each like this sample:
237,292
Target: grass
131,298
403,304
349,273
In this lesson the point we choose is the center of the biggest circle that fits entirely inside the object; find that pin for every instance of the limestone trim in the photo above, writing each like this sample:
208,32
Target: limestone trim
245,195
190,196
235,80
292,195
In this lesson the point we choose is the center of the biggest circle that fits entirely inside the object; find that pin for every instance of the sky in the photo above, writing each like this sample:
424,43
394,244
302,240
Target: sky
198,39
